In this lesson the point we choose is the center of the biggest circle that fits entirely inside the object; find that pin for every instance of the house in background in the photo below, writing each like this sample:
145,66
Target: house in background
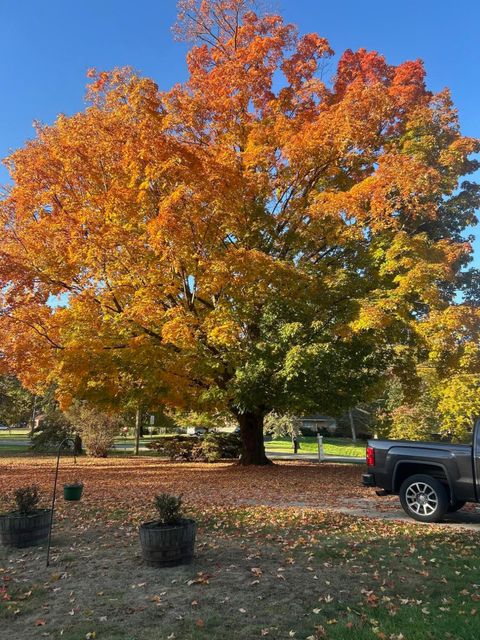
318,422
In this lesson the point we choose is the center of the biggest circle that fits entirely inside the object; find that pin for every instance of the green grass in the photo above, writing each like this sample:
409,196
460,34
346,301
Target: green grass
418,583
17,434
7,449
380,580
331,446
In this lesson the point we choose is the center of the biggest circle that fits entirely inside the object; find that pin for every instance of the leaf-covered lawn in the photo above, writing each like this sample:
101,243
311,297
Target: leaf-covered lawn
260,571
131,482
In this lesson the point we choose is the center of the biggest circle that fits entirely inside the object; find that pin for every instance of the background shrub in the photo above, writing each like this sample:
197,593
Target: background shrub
97,429
210,448
218,446
53,429
179,448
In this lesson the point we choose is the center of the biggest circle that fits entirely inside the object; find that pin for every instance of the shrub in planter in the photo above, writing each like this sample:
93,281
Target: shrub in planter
27,525
170,540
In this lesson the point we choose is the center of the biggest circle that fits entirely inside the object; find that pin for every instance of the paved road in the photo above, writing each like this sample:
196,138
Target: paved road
7,442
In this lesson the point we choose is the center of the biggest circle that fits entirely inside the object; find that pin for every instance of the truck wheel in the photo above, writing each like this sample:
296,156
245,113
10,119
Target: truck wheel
456,506
424,498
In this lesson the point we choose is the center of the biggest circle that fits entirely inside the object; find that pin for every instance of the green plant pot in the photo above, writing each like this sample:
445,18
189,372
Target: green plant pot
72,492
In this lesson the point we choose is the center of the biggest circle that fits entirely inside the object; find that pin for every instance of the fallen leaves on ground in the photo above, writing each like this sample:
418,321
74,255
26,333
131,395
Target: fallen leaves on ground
126,486
326,574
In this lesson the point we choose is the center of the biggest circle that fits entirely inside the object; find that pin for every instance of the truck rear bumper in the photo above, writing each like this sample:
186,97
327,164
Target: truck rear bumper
368,480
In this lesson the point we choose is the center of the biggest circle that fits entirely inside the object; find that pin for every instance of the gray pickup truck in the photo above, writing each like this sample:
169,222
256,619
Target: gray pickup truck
431,478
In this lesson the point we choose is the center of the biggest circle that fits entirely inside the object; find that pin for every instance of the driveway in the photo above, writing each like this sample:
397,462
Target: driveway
388,508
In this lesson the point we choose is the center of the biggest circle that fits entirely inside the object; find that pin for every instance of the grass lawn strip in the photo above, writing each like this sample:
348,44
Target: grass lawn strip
331,446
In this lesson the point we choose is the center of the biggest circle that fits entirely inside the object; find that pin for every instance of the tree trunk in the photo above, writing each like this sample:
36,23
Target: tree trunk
138,429
352,426
77,445
33,416
251,432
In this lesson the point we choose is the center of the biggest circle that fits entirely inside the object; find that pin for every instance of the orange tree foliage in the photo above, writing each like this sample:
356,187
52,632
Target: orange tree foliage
252,239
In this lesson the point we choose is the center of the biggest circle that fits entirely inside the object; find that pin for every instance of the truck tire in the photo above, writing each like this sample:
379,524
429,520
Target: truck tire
424,498
456,506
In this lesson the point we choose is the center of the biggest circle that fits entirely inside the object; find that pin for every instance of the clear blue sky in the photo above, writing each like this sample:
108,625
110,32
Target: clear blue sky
47,46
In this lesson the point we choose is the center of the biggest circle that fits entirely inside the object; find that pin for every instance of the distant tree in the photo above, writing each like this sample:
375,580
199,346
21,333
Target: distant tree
459,405
357,421
53,426
281,426
209,421
16,403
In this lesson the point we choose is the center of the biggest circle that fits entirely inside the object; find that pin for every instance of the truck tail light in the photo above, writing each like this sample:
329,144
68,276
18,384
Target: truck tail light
370,457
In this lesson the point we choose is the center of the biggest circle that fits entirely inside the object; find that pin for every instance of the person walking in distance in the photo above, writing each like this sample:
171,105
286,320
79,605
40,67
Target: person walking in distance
295,443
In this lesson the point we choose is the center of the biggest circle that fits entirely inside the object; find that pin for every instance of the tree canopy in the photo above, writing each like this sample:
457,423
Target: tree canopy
257,238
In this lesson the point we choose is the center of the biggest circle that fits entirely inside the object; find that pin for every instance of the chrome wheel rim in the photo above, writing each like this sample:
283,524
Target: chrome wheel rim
421,498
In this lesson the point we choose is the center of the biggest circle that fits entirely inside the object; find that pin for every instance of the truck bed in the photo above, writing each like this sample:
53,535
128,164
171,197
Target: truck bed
454,462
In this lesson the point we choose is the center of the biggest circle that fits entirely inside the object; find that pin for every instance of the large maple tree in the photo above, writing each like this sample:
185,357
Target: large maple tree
256,238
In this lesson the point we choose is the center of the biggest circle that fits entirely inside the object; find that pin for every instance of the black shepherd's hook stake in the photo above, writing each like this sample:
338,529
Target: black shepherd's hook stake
72,441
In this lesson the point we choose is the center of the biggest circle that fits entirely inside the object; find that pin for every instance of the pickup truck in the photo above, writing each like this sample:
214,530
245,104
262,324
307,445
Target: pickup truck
431,478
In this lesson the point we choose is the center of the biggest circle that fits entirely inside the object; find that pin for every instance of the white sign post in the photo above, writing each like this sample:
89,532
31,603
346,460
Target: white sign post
321,456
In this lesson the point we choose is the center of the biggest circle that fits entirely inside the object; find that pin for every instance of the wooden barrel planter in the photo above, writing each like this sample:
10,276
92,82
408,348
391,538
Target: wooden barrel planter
72,492
24,530
168,545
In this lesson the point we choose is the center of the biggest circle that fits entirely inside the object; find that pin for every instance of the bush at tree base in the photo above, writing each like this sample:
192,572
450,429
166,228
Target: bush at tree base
215,446
210,448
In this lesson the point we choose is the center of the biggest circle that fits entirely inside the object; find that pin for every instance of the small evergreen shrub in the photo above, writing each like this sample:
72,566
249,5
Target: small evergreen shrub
169,508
